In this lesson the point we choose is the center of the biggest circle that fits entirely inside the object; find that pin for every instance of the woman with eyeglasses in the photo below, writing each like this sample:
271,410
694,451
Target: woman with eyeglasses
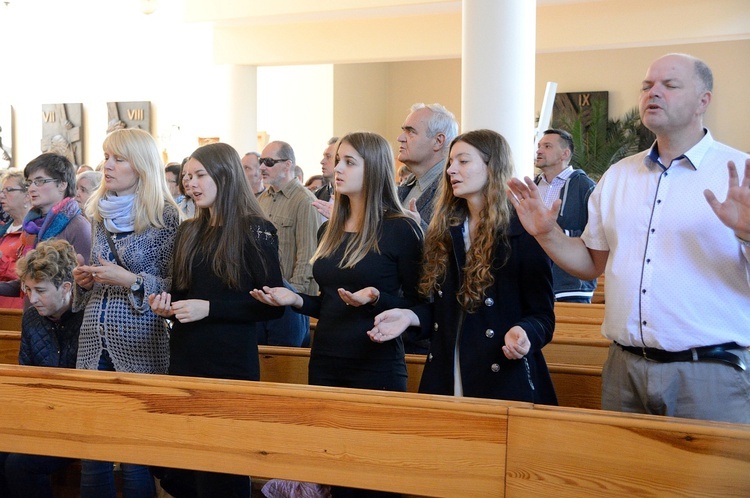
54,213
14,199
135,220
51,182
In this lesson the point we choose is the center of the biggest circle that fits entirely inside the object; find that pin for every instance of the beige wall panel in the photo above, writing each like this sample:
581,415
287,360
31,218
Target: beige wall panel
620,23
217,10
360,92
355,40
421,81
300,32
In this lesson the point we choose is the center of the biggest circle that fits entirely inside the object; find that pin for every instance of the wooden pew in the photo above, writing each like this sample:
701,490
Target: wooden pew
575,357
10,318
399,442
289,366
10,343
577,353
578,339
598,296
572,453
422,445
578,386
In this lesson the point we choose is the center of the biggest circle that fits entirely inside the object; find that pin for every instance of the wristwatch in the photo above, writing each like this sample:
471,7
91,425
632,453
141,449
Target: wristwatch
138,284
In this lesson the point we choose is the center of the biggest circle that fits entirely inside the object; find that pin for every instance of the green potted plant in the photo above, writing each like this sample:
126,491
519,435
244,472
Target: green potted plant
600,141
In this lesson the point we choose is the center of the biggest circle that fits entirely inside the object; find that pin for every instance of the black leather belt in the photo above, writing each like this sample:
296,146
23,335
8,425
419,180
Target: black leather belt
718,353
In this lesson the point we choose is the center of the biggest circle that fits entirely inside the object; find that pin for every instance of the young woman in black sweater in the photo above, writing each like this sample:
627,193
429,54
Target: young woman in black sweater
367,261
222,253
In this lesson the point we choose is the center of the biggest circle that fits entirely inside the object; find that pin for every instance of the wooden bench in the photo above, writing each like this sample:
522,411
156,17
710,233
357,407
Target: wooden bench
10,318
575,357
10,343
598,296
398,442
578,339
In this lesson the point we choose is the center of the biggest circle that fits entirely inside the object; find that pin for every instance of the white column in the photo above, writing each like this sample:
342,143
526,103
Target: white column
241,108
497,73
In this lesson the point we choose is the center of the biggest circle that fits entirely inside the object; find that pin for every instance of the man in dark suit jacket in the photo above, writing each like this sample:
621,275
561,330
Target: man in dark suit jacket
423,144
425,137
327,164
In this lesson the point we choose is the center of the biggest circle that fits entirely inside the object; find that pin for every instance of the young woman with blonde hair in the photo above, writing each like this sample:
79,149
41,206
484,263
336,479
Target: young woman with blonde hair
134,220
490,285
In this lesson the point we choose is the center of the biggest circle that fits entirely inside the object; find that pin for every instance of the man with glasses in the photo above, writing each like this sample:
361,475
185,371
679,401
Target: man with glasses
288,204
573,187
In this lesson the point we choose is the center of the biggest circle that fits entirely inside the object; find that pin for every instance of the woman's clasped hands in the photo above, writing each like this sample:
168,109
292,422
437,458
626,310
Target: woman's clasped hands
106,273
185,311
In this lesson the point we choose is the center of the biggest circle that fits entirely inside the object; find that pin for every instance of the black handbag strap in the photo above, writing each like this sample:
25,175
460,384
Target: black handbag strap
113,248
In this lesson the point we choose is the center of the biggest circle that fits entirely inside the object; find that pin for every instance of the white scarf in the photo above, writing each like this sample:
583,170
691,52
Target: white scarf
118,212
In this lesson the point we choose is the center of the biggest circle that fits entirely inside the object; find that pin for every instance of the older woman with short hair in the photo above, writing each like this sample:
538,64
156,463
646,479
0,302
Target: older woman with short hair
49,338
14,199
87,183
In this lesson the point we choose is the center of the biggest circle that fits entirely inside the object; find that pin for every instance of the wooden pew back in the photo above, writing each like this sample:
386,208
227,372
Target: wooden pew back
10,343
399,442
421,445
10,318
575,357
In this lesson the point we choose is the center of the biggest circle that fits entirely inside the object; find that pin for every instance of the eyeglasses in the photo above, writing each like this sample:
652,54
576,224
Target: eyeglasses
40,181
270,162
7,190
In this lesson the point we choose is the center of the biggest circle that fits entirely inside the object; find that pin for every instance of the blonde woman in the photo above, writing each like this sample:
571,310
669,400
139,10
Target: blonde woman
134,220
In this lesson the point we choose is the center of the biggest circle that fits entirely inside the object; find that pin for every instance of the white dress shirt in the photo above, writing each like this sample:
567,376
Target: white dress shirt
677,277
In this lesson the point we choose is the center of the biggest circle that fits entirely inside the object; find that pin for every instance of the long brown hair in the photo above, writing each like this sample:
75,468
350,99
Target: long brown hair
219,234
380,200
494,219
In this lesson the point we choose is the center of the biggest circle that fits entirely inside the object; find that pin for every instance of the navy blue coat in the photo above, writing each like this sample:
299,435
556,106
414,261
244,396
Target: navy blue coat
521,295
45,343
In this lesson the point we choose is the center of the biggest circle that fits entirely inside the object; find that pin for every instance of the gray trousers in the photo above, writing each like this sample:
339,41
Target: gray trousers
703,390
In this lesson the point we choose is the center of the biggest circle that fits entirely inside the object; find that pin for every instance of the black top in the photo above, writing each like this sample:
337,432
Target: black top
224,344
342,330
521,295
